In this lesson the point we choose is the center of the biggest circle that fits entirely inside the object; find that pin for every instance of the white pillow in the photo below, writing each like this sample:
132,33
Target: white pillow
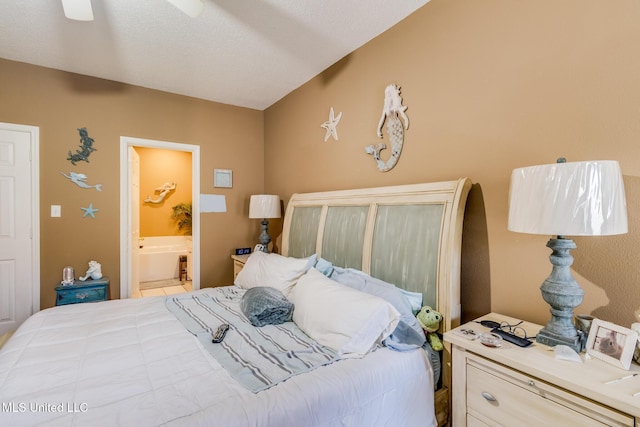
347,320
272,270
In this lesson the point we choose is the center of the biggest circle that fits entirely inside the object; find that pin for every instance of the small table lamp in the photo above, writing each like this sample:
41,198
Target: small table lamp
264,206
579,199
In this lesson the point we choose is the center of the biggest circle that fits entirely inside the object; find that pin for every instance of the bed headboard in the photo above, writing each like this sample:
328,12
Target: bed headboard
408,235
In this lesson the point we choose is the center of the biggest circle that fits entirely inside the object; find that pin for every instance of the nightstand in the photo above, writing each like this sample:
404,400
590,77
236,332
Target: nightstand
87,291
238,263
513,386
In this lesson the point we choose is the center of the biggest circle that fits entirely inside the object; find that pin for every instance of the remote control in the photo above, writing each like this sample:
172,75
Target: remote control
219,334
514,339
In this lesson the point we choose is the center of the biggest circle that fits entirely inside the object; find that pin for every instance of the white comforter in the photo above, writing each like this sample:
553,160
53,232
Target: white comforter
132,363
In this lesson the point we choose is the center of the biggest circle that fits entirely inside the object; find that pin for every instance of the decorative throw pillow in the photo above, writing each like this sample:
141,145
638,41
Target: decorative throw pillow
408,334
273,270
326,267
349,321
415,299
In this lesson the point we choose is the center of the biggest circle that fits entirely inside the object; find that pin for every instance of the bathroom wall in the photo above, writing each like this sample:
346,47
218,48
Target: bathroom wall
159,166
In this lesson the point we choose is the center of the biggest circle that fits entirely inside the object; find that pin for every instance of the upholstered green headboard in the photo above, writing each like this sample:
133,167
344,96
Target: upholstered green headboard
407,235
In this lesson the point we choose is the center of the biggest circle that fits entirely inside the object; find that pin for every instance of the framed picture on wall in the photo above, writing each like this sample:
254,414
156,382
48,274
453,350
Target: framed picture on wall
223,178
612,343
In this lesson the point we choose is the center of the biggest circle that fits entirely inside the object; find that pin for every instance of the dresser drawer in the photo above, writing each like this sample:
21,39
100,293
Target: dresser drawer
474,422
497,395
84,294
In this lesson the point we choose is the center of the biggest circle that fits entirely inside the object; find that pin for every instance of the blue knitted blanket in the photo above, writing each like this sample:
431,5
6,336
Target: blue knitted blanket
266,306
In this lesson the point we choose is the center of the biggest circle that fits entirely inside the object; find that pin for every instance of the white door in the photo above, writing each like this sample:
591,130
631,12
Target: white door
19,230
134,206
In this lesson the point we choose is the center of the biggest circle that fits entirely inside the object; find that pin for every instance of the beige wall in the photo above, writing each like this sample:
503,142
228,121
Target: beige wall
59,103
159,166
490,86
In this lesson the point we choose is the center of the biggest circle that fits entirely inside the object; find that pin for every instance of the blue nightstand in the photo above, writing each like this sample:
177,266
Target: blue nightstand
87,291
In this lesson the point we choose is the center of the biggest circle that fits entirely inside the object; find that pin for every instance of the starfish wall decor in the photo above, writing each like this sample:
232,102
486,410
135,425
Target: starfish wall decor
90,211
331,125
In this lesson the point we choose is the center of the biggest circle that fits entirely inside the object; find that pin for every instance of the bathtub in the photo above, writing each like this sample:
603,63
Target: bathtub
160,257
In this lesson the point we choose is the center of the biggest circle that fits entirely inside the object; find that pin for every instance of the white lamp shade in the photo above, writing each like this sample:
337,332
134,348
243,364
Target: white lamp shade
78,10
264,206
568,199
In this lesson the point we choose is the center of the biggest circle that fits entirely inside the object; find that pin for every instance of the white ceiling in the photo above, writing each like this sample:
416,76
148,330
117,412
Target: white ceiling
248,53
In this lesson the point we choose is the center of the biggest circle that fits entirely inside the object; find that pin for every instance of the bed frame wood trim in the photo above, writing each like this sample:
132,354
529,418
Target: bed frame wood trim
452,195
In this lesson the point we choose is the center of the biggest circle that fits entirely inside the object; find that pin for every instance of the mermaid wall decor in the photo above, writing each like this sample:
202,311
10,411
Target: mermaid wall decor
163,191
392,112
80,180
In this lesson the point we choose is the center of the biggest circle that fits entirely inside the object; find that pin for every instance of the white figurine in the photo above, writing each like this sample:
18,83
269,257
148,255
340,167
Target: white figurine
94,271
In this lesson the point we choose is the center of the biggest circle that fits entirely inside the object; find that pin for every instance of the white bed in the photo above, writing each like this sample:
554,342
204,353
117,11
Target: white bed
132,362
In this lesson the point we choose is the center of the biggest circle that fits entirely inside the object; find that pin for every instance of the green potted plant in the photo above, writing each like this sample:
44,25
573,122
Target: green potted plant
182,214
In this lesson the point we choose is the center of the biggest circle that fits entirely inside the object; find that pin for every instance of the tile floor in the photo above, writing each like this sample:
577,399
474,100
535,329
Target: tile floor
169,290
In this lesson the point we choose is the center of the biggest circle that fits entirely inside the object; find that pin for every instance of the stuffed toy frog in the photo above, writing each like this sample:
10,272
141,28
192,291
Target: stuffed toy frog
429,320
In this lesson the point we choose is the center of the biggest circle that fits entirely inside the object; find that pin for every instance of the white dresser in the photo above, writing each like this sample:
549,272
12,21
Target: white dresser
514,386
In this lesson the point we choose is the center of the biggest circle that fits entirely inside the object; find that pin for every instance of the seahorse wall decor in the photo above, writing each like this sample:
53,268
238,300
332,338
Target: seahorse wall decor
163,191
86,148
392,112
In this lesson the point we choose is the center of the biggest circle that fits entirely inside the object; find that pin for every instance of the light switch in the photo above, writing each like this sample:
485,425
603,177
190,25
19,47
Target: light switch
56,211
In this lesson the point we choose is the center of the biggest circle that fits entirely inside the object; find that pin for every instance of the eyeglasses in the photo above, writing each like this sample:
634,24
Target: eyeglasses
514,329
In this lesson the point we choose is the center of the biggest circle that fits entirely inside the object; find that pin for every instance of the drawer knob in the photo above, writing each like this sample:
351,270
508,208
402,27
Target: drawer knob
488,396
531,383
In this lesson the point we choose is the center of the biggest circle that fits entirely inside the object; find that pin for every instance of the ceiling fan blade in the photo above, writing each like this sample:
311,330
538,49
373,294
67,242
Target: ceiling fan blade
78,10
193,8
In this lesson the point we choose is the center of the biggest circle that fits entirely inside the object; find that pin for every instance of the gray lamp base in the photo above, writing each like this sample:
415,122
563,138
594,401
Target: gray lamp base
563,294
547,337
264,238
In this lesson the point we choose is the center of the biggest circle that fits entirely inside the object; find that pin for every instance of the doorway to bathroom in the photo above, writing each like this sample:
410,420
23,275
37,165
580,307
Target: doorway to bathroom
158,203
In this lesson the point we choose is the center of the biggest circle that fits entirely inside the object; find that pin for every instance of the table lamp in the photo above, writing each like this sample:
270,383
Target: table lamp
562,199
264,206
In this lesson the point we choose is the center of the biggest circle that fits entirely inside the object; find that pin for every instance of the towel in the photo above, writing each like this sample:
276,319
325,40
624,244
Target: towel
266,306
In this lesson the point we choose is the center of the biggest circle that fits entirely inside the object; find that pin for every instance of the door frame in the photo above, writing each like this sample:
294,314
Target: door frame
125,197
34,132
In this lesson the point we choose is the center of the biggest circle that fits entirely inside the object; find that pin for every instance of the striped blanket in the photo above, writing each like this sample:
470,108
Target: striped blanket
258,358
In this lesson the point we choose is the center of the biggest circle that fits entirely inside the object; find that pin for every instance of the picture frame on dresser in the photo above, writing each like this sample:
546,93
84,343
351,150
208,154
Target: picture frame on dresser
611,343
